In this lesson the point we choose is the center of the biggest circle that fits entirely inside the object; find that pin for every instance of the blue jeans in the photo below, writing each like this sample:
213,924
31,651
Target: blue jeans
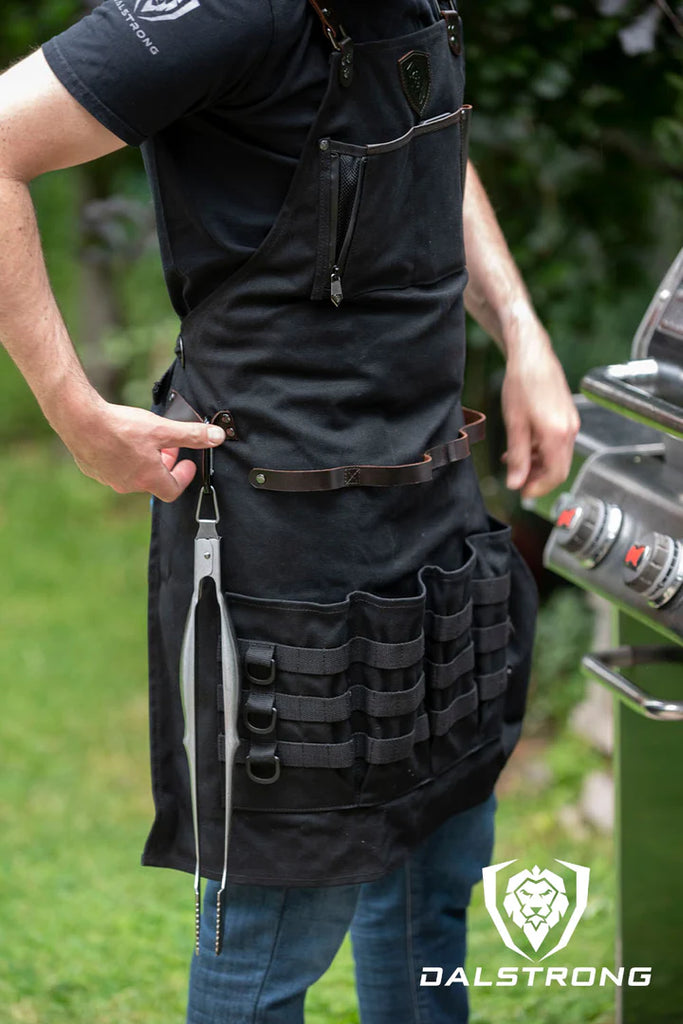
279,941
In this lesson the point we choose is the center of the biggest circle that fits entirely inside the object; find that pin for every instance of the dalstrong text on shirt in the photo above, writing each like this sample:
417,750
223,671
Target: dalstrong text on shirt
135,26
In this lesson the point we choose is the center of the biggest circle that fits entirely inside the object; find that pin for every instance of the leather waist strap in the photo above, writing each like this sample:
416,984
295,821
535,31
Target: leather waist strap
375,476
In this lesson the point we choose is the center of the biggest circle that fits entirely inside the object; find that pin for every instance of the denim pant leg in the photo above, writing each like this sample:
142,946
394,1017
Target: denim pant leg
416,917
277,942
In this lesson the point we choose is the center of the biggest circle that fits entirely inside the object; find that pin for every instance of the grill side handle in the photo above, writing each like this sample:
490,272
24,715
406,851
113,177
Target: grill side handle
603,667
631,389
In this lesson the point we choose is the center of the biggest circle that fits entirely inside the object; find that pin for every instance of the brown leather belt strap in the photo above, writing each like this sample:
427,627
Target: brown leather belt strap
375,476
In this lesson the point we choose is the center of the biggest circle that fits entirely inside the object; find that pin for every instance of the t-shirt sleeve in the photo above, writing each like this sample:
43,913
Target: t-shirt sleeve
139,65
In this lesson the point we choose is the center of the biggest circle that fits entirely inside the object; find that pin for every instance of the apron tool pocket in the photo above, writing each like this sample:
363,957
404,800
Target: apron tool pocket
332,696
359,701
452,697
466,635
382,222
491,625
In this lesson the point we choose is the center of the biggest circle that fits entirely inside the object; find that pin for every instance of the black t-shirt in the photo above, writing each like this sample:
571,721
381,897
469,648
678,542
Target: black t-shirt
220,94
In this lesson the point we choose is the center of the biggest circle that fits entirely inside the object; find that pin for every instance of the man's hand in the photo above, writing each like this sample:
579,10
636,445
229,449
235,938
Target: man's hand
133,450
41,128
540,417
539,413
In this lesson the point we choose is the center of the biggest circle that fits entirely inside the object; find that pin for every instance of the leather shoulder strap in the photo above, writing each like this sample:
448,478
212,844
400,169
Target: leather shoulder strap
330,22
337,35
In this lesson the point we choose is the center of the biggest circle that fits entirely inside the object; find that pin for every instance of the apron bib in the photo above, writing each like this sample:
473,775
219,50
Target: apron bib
383,620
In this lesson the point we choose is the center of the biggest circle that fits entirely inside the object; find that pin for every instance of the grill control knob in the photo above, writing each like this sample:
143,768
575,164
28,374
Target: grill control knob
587,527
653,567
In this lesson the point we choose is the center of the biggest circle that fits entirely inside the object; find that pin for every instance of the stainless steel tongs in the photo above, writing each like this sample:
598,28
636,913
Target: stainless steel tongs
207,566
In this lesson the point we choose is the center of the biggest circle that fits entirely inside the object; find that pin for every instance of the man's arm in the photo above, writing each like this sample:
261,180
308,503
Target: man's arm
539,413
43,128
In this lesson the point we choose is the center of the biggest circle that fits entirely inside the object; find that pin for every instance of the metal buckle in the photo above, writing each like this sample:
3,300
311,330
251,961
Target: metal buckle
263,780
204,493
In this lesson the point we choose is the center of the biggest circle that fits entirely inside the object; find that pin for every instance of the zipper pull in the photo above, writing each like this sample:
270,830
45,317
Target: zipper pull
336,291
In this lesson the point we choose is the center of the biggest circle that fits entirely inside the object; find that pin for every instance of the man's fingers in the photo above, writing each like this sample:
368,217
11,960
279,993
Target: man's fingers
167,486
553,459
169,457
543,479
183,474
518,455
170,434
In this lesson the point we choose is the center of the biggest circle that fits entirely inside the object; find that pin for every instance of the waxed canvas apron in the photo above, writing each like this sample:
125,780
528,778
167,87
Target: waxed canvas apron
384,631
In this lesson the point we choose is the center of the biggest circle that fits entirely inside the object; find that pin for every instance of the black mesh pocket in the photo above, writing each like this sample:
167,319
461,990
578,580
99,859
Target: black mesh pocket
350,180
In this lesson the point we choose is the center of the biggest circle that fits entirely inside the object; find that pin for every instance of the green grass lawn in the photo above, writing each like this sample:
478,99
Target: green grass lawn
86,935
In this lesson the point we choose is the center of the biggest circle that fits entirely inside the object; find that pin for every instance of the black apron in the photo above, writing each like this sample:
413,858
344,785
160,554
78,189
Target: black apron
384,620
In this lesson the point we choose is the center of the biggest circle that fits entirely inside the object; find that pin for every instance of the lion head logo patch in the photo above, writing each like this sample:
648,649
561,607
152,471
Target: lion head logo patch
164,10
416,79
538,904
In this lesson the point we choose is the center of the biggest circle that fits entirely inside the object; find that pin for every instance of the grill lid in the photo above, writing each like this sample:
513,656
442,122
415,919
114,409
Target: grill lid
660,334
649,388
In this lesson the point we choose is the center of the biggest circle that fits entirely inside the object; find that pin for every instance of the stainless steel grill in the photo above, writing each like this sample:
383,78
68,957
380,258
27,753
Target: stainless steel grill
619,532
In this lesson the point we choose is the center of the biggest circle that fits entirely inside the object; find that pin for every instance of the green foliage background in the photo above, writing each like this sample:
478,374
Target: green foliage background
581,148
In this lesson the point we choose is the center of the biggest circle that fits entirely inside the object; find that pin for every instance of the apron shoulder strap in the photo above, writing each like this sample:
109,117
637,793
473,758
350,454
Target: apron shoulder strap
329,19
335,32
454,27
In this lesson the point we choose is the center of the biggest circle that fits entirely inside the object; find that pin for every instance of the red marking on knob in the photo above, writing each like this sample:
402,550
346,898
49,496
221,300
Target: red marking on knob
635,555
566,518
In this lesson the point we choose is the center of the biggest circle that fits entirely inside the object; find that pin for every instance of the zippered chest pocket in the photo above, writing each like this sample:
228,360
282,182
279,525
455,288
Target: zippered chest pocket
390,214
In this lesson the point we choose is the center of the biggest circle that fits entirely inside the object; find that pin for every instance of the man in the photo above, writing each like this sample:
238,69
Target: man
308,183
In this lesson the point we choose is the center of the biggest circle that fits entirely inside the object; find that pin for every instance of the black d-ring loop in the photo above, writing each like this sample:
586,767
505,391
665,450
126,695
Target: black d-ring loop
264,780
251,717
268,669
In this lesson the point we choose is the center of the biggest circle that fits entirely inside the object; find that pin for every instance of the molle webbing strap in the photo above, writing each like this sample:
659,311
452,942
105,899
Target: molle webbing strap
441,675
441,722
448,627
488,639
491,591
368,748
493,685
322,661
377,704
343,755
